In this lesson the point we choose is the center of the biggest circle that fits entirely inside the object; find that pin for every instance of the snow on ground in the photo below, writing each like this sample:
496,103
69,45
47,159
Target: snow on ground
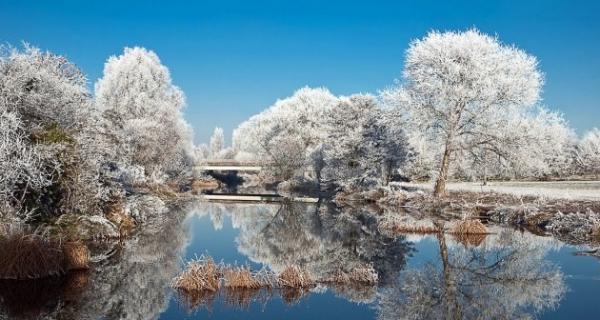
572,190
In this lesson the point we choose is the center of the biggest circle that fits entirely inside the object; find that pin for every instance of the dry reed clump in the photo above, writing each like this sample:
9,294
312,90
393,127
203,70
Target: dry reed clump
76,256
470,232
30,256
467,240
240,278
402,228
295,277
473,226
202,274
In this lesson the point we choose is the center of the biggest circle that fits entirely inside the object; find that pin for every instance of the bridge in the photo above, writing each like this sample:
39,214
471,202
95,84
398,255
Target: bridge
229,165
254,198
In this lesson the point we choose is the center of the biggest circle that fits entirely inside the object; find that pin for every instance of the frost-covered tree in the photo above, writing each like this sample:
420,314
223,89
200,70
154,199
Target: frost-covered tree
20,163
284,135
587,153
529,144
47,124
143,115
217,142
344,140
460,85
364,143
201,152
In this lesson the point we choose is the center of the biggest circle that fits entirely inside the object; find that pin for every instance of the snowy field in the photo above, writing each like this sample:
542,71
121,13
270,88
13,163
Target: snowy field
573,190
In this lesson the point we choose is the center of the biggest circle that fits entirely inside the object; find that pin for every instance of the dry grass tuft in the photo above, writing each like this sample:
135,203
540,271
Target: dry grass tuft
76,256
470,227
31,256
401,228
467,240
200,275
295,277
240,278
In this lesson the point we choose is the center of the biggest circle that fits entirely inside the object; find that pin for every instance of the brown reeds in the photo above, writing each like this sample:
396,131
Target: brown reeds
473,226
402,228
202,274
243,278
295,277
470,232
203,281
76,256
240,278
30,256
467,240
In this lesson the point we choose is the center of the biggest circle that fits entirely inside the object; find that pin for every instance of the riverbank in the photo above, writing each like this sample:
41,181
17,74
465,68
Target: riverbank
575,221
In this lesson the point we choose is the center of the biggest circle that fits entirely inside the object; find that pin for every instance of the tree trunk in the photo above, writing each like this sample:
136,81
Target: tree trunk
440,185
385,173
484,183
453,310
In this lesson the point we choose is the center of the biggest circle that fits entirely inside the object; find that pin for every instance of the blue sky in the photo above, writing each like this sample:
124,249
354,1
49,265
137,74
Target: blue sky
235,58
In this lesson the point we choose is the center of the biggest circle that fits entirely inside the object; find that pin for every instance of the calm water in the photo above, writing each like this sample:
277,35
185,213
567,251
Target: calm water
508,274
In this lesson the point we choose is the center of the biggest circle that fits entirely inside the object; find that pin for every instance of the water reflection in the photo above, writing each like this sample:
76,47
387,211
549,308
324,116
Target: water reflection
129,280
504,275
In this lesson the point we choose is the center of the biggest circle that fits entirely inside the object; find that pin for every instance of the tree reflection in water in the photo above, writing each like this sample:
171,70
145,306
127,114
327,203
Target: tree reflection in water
504,275
129,280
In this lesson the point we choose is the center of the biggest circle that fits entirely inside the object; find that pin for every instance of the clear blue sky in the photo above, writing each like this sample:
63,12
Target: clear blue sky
235,58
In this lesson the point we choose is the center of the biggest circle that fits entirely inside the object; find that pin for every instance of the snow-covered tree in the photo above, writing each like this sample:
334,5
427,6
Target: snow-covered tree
47,124
460,85
345,140
143,115
217,142
364,143
201,152
20,163
530,144
284,135
587,154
